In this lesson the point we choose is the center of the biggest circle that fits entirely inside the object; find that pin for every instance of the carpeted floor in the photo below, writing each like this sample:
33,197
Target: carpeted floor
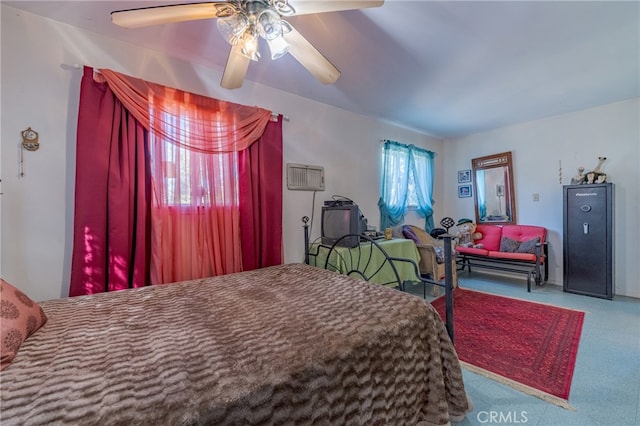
530,346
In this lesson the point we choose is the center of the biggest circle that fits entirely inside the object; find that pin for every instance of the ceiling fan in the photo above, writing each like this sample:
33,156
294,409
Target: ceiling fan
243,22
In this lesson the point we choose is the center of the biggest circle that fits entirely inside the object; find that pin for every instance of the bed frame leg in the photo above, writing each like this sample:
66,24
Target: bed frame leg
305,220
448,285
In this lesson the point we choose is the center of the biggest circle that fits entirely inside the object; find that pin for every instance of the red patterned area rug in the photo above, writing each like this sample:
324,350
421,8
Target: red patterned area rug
529,346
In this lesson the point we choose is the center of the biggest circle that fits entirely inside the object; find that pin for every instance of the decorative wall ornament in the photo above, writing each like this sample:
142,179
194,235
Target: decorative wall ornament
30,143
560,172
30,139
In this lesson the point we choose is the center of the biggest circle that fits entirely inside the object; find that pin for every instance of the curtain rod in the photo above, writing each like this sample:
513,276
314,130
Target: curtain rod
404,145
275,115
97,71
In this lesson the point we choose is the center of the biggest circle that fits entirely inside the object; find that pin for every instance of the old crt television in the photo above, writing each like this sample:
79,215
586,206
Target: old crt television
339,219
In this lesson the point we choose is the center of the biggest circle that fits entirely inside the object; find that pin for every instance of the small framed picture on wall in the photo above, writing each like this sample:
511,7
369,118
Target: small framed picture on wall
464,191
464,176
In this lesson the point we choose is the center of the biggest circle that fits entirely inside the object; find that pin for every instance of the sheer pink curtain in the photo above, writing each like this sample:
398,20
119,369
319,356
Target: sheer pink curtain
112,200
214,214
195,214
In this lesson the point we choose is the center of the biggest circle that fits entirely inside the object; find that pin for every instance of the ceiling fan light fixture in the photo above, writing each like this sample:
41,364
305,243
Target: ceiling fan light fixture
278,47
250,46
269,24
232,28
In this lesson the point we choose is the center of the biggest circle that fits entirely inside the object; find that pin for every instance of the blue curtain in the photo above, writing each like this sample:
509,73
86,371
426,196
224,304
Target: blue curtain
422,163
393,188
400,161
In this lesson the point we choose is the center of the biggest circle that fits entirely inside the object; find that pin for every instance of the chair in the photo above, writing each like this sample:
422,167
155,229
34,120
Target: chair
431,254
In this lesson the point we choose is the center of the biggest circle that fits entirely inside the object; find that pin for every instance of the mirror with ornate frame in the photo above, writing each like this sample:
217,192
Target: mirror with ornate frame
494,194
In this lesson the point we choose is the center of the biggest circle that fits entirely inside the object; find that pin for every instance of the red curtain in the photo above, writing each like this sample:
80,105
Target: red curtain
260,170
112,200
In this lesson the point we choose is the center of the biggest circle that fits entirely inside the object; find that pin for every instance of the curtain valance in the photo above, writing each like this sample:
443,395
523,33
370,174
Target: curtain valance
218,126
409,147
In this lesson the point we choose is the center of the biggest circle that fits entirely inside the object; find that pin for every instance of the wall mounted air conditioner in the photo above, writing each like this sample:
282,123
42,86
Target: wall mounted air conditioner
301,177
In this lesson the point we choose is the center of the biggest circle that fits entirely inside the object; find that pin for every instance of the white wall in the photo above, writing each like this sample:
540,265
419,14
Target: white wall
40,89
572,140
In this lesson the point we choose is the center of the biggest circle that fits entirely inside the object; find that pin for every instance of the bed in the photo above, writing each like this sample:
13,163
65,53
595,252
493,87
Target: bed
288,344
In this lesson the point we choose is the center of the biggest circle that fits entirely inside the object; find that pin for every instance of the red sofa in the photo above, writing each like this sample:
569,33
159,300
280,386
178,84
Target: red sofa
511,248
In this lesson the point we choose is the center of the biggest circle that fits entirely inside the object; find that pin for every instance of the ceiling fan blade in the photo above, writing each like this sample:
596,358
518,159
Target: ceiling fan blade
156,15
236,68
304,7
314,61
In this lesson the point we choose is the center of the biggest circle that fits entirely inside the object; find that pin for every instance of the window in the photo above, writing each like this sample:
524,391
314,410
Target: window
406,181
401,178
196,208
192,178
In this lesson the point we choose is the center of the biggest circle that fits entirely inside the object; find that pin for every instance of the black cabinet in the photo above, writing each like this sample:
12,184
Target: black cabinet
588,240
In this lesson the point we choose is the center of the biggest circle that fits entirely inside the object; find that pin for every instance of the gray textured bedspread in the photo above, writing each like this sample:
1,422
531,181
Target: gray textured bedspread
289,344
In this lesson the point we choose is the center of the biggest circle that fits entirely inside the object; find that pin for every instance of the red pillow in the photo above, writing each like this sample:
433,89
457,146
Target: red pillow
20,318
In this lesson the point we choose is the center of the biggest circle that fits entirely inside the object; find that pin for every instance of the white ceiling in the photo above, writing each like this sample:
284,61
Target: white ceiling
447,68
